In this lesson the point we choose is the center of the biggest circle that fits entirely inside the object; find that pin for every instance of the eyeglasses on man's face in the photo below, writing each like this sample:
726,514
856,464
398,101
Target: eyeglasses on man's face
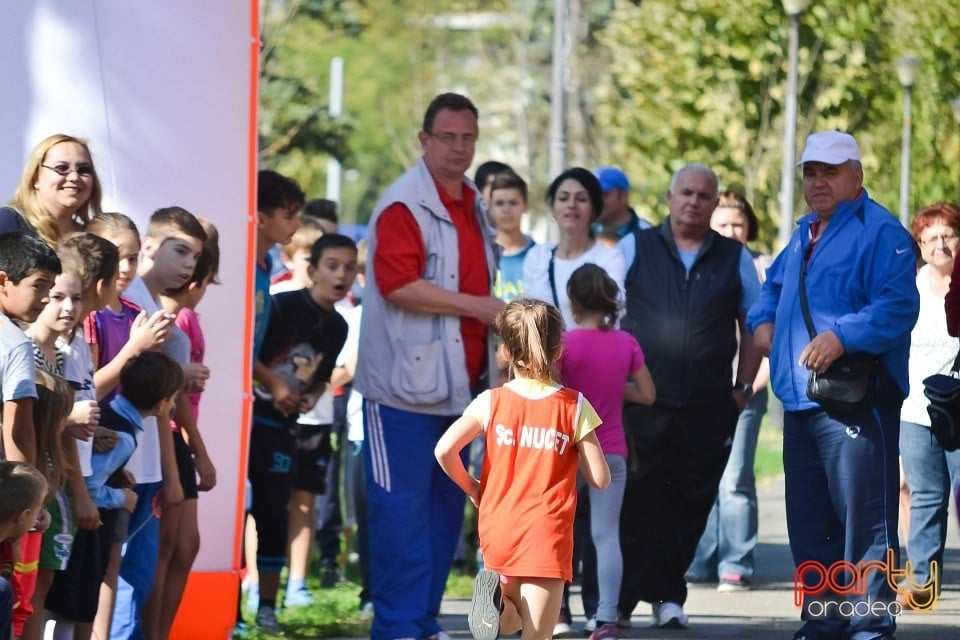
943,238
64,169
450,139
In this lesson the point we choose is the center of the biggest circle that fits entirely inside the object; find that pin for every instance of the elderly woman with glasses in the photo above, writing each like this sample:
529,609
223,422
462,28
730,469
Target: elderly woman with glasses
58,192
929,470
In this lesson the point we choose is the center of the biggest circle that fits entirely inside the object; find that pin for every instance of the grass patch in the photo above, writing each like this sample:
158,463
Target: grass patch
459,584
335,614
768,464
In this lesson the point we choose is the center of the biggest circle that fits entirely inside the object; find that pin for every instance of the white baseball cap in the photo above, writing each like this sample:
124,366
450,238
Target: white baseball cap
830,147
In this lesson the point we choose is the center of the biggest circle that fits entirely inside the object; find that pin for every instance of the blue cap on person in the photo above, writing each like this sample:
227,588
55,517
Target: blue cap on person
830,147
612,178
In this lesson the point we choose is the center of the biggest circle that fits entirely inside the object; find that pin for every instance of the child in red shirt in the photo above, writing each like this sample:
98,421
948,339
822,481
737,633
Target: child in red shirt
537,434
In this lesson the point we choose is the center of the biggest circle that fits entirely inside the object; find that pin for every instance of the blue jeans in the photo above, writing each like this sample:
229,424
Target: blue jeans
727,544
931,473
138,565
842,484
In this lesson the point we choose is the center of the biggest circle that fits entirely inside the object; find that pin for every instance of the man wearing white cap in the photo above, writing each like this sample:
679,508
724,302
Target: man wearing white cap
841,468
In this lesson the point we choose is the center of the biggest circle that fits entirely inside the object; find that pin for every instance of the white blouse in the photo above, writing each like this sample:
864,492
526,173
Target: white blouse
536,280
932,350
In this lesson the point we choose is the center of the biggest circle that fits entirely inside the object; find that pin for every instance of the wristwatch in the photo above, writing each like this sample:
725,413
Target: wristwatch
745,388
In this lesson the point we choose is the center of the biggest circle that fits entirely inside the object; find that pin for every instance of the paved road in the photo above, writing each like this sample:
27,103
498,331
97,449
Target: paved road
767,611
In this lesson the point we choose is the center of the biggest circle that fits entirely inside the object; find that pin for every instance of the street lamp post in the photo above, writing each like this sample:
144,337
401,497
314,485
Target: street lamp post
955,105
907,69
793,9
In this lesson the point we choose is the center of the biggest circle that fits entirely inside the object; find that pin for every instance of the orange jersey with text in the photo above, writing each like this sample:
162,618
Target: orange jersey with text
528,486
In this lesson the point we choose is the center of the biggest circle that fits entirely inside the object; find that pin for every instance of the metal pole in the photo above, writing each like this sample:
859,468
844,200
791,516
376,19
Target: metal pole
905,157
558,142
336,109
789,135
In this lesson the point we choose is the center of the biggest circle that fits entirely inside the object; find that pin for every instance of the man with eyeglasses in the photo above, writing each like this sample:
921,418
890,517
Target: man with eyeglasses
425,351
842,476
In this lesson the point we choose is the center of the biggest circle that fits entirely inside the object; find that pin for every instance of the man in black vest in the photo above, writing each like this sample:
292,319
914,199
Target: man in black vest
687,292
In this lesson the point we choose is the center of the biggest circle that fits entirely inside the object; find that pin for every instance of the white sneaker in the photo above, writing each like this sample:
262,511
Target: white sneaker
670,615
366,611
591,625
562,628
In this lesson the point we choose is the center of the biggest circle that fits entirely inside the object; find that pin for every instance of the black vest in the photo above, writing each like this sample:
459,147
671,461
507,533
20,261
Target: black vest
686,323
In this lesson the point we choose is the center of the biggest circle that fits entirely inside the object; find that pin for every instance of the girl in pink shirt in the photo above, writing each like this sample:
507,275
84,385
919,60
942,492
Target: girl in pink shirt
607,366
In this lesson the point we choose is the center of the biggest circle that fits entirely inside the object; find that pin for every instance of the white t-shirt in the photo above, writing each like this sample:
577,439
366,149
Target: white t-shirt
78,371
932,350
536,280
145,464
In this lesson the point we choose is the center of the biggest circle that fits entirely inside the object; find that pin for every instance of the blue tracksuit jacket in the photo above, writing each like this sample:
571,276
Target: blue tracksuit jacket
861,283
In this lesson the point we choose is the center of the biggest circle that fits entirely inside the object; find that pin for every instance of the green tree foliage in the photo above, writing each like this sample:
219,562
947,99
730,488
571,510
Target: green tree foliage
694,81
650,86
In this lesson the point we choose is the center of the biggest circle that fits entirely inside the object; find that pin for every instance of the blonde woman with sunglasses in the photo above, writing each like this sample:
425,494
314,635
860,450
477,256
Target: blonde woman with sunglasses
58,192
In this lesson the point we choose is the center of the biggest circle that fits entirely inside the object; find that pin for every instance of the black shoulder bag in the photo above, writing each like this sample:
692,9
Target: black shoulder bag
943,392
848,384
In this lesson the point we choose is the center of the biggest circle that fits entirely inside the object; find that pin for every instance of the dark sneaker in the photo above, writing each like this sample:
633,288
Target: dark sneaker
484,616
329,577
267,620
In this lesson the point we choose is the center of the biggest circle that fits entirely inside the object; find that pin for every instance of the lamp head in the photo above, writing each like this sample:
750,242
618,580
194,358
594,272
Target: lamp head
908,67
795,7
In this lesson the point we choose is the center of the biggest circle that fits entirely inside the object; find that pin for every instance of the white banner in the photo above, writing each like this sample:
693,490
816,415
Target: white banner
165,94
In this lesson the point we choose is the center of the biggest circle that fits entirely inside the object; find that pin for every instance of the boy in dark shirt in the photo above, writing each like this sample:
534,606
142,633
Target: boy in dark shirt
303,337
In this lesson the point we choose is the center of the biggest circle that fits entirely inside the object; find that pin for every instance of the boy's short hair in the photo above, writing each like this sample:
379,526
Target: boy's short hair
488,169
90,258
509,180
21,487
275,191
169,220
330,241
148,378
309,232
208,262
22,253
323,209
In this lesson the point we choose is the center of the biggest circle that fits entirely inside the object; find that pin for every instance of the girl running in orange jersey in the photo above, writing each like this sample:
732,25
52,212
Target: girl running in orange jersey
537,434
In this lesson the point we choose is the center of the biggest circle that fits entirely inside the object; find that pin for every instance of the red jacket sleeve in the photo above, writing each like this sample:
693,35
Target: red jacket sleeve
399,257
